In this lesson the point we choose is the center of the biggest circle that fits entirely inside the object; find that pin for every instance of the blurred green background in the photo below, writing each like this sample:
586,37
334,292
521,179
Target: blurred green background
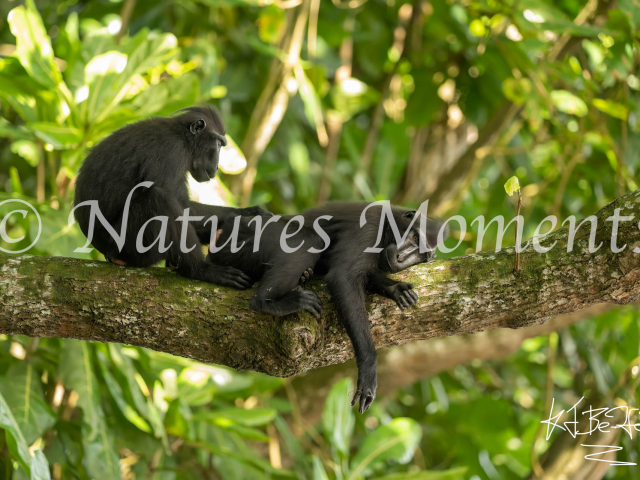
326,100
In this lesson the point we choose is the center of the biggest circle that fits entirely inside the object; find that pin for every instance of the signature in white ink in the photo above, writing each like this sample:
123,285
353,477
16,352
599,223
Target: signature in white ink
597,423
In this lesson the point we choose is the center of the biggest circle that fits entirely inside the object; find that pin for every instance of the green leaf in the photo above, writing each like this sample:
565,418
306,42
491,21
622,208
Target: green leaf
630,346
151,99
311,101
618,21
36,466
614,109
567,102
133,387
630,8
512,185
477,28
394,441
247,432
292,443
196,393
451,474
116,393
118,118
56,236
60,136
299,161
249,418
71,28
12,132
271,24
246,458
156,421
127,369
102,460
76,371
516,90
19,89
168,96
178,419
319,473
424,102
115,73
27,150
352,96
338,418
22,391
33,45
16,184
15,440
40,466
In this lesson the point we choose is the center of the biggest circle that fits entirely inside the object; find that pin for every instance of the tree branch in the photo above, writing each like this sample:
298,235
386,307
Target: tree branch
154,308
404,365
125,17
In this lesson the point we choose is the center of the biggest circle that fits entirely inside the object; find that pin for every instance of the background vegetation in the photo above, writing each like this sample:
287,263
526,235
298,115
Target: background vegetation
349,100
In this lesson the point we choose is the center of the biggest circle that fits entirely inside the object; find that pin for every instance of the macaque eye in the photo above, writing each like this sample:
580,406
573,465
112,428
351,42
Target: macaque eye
415,238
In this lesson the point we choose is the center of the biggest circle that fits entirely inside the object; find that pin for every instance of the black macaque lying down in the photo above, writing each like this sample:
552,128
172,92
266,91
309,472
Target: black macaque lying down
334,248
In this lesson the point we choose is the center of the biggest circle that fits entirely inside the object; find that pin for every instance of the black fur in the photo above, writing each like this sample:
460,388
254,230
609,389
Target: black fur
347,268
161,150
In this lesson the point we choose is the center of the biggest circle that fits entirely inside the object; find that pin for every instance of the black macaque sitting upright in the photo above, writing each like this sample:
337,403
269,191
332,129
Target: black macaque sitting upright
337,250
158,150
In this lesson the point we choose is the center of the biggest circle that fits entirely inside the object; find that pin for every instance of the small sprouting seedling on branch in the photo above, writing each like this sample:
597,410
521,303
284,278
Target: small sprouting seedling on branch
512,186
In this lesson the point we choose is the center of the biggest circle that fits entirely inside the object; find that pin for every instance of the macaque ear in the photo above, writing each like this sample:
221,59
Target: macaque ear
409,214
197,126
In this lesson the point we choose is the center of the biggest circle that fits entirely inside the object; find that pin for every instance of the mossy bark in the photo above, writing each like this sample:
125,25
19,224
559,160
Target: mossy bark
157,309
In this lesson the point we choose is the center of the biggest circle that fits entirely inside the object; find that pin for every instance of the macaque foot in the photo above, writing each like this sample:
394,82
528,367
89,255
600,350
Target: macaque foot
225,276
292,302
305,277
366,390
403,294
310,302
